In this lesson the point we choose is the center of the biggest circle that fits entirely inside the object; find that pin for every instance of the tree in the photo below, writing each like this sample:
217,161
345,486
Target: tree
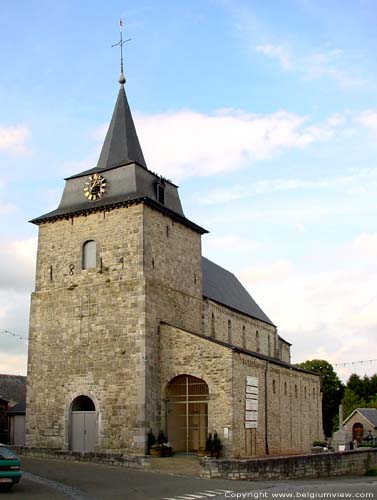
351,401
359,393
332,390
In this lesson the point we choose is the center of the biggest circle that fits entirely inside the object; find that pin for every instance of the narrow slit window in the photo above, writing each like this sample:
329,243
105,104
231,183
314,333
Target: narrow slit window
244,336
213,326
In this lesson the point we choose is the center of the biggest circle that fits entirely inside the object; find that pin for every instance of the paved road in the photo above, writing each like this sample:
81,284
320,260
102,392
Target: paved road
56,480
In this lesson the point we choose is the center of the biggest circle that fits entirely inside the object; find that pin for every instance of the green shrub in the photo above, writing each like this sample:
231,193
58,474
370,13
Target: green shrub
371,472
320,443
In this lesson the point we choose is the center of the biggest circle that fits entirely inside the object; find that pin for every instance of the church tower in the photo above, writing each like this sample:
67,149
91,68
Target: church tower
116,259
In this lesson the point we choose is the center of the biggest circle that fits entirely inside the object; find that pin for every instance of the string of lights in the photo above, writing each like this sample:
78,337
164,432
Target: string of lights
348,363
12,334
362,362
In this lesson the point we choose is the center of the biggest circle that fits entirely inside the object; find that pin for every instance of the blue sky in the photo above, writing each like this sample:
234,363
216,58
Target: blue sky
265,114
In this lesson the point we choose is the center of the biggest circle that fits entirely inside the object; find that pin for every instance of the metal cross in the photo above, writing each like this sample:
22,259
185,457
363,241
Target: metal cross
121,43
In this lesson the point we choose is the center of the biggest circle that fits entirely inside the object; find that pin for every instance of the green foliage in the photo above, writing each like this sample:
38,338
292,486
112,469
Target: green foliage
335,423
332,389
216,443
320,443
359,393
161,439
209,443
367,445
351,401
365,388
371,472
151,440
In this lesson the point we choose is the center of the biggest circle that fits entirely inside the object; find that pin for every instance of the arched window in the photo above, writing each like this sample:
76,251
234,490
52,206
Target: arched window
305,392
269,345
285,388
213,326
229,331
257,341
313,392
187,401
83,403
296,392
274,386
244,336
89,255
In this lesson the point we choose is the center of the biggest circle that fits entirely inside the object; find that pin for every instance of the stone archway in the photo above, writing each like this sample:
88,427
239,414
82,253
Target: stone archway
357,432
83,425
187,412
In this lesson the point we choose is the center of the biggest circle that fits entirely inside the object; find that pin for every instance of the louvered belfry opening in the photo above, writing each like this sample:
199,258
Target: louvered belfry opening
187,413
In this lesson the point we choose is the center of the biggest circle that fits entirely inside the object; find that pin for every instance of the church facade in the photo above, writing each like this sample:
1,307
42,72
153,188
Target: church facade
132,330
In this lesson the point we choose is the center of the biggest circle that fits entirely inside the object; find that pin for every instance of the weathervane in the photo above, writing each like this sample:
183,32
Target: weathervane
122,79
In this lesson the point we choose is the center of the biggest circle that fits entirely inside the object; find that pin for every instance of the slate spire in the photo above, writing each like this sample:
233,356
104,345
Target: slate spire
121,144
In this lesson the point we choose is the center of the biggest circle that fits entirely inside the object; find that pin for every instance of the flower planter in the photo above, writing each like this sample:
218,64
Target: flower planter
155,452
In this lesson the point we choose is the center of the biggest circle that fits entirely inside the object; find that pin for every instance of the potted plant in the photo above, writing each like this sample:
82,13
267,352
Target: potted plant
162,448
202,451
151,440
209,446
216,446
155,450
166,450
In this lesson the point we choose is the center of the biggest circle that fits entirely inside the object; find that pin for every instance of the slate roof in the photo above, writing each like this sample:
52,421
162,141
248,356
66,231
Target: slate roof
223,287
13,387
121,144
370,414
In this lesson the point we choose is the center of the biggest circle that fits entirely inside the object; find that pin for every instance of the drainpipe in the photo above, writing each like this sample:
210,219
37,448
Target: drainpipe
266,408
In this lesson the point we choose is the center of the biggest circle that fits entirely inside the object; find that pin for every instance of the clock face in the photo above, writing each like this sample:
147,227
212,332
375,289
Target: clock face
95,187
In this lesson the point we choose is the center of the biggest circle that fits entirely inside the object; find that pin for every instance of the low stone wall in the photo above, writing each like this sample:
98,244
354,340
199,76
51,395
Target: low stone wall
290,467
119,459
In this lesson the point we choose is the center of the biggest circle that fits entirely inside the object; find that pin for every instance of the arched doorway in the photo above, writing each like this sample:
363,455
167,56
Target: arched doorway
83,420
187,412
357,432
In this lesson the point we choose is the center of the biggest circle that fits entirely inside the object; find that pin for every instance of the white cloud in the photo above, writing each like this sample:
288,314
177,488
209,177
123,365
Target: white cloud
276,52
277,271
14,140
5,207
368,119
230,241
270,186
366,244
328,64
331,314
13,364
199,144
17,264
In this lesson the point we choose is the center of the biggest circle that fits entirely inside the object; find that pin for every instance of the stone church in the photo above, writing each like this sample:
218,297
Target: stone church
132,329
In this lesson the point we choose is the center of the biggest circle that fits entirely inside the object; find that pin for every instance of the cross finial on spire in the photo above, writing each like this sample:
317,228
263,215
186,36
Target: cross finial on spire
122,78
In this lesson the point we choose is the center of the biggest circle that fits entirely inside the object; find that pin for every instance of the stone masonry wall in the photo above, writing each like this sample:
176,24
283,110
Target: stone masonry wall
293,418
184,353
292,423
87,330
367,426
291,467
246,332
173,273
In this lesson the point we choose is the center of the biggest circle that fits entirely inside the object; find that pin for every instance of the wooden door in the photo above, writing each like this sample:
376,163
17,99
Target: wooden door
83,431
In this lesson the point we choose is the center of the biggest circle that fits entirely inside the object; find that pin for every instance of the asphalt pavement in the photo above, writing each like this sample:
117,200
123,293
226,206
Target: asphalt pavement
46,479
